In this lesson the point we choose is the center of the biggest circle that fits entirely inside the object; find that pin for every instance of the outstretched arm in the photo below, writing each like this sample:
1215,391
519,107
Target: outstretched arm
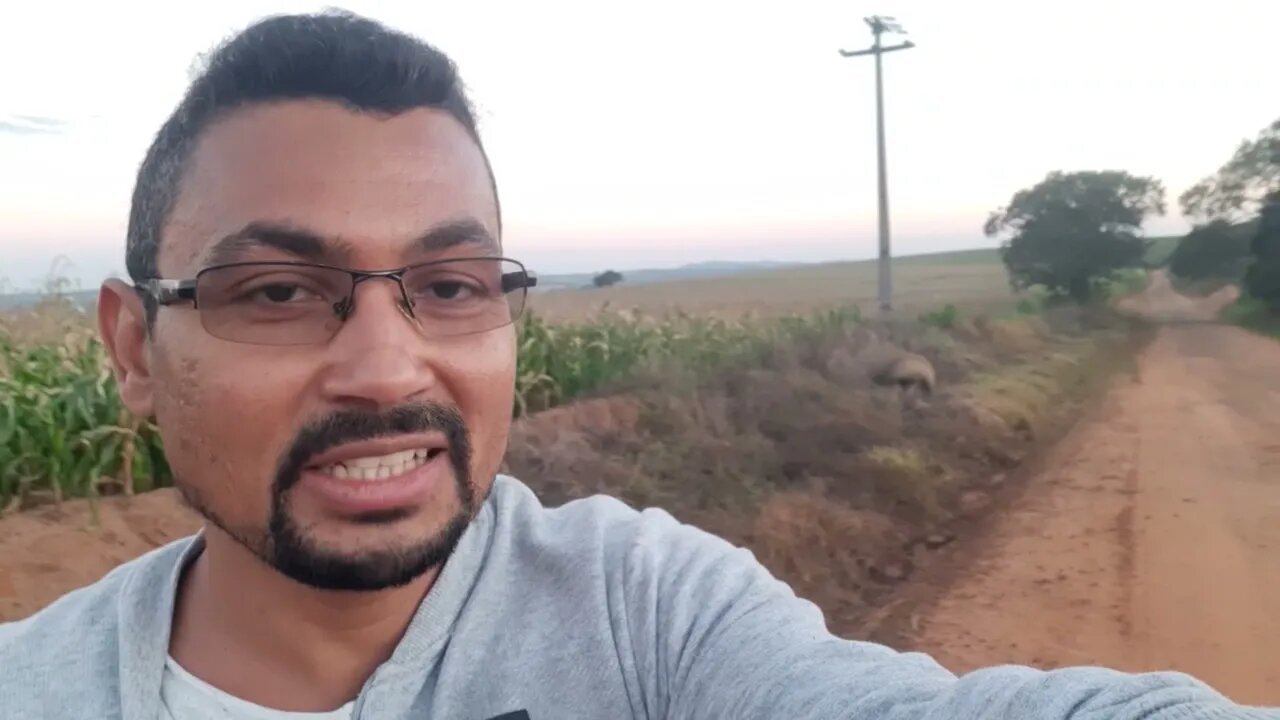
716,636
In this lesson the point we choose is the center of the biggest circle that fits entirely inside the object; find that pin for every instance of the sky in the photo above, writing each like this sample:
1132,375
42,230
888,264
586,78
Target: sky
655,134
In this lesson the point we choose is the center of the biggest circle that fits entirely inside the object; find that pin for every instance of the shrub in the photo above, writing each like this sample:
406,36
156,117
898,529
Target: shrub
1262,281
607,278
944,319
1216,250
1254,314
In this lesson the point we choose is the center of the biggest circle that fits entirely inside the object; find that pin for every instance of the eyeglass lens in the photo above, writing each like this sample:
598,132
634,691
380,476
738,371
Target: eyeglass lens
292,304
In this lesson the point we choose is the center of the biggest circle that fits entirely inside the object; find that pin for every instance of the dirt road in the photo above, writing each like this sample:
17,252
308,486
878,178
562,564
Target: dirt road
1150,539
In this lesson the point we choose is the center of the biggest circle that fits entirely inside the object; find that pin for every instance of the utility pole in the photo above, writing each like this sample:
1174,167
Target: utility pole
879,26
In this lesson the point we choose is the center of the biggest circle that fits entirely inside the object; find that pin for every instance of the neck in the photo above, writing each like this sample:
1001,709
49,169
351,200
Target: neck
245,628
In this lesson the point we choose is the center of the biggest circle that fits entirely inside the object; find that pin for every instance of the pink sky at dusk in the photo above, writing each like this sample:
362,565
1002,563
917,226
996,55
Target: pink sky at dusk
671,132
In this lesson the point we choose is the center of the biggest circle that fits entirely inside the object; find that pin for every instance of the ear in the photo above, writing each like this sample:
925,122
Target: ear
122,323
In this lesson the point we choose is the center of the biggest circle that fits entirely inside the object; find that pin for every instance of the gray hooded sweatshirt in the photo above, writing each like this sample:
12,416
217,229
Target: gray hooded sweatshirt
590,610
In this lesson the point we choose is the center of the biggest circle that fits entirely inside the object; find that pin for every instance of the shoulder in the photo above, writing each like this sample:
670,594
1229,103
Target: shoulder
607,520
77,635
637,546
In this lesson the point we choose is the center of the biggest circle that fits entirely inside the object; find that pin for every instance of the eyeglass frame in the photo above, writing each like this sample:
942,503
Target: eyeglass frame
167,291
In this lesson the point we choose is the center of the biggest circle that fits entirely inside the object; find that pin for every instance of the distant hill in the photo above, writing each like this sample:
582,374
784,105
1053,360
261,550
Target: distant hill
976,256
1157,254
16,301
714,268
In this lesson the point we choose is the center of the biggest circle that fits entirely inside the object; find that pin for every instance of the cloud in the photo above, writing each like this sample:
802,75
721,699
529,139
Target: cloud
32,125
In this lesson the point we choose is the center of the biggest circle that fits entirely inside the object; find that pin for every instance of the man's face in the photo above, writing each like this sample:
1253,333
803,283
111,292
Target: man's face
253,432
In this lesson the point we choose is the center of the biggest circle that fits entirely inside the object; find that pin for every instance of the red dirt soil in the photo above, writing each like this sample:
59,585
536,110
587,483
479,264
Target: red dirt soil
1150,540
49,551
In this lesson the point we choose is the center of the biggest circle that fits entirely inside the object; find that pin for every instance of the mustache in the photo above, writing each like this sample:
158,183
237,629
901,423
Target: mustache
353,425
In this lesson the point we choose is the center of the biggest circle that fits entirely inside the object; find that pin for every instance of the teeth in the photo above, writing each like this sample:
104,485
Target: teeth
378,467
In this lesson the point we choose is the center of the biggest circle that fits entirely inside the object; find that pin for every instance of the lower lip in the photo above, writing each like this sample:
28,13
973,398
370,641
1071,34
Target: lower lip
365,496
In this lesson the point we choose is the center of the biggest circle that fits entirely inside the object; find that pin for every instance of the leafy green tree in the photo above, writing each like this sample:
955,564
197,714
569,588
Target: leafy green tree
1217,249
1240,186
1072,231
1262,281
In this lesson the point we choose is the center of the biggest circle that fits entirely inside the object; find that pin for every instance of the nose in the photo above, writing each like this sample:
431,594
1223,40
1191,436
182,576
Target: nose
379,358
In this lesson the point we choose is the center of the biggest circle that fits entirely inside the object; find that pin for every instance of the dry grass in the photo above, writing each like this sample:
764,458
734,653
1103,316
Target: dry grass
907,461
830,551
1020,394
828,478
51,322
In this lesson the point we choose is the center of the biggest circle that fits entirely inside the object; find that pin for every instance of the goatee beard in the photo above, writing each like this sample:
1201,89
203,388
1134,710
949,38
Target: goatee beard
284,544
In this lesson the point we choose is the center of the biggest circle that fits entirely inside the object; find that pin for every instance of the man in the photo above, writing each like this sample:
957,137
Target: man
321,323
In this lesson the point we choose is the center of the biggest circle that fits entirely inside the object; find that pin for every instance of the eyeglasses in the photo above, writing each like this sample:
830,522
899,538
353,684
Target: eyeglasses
295,303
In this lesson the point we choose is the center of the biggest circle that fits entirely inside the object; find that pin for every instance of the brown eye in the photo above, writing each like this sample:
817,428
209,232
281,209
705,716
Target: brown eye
450,290
281,293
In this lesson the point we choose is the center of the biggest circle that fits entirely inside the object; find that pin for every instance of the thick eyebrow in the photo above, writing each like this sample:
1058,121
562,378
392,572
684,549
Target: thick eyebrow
300,242
312,246
467,231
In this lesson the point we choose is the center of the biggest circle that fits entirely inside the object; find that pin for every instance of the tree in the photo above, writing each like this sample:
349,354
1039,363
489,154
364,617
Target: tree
1240,186
1215,250
1263,278
607,278
1074,229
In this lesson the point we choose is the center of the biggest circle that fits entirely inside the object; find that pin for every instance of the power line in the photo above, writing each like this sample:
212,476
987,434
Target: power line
879,26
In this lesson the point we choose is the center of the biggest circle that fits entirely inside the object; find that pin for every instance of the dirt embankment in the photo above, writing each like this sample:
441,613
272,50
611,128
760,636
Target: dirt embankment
49,551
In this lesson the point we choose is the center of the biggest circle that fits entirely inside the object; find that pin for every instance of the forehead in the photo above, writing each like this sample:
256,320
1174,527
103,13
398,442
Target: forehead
375,181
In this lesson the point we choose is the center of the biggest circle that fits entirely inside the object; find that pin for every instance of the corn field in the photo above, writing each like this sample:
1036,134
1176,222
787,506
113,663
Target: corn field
560,362
64,432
